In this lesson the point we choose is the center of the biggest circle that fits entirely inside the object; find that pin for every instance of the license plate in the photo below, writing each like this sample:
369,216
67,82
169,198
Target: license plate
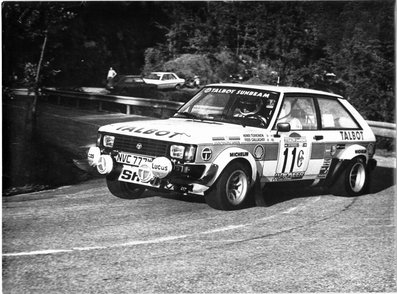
129,174
132,159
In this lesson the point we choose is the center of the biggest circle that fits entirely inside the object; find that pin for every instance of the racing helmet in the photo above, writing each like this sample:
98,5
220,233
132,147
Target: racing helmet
249,106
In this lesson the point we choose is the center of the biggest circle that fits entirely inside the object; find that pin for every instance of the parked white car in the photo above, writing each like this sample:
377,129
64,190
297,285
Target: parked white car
230,141
165,80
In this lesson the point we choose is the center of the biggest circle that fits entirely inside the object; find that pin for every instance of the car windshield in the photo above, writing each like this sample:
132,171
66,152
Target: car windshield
245,106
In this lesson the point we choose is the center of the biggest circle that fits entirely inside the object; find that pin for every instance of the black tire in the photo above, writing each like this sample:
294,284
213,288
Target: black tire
178,87
231,191
124,190
355,178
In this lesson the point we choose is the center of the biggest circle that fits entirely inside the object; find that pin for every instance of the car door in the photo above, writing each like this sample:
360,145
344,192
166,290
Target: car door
301,149
171,80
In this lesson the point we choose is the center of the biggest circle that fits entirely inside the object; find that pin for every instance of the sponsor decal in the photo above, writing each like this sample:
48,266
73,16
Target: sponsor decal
259,150
134,175
238,154
253,93
206,154
147,131
295,142
220,90
129,175
324,168
352,135
247,92
218,138
293,158
361,151
234,138
288,176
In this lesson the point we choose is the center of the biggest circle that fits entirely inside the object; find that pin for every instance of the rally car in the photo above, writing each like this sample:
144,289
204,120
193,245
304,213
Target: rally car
230,141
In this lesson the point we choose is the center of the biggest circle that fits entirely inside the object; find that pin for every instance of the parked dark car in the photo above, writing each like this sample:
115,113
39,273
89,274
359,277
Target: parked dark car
131,85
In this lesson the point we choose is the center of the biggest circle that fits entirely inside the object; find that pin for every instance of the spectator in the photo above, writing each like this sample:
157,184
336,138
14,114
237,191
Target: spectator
111,74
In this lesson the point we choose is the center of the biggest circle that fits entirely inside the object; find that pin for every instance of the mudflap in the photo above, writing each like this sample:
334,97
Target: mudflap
261,199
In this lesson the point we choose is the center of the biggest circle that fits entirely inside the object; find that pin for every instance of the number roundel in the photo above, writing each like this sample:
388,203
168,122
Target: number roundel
295,160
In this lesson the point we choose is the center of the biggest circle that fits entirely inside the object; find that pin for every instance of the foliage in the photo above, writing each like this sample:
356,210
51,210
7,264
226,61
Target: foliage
34,22
263,40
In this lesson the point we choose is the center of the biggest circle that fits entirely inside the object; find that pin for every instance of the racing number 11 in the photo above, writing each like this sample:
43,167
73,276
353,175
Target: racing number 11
298,160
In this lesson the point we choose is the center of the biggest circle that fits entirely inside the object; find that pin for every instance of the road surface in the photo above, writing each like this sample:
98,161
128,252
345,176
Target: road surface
81,239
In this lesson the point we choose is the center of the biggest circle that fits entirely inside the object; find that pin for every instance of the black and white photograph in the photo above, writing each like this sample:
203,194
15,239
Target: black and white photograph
198,147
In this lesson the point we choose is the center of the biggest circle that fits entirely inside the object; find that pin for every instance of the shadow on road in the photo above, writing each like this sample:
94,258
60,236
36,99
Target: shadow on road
382,179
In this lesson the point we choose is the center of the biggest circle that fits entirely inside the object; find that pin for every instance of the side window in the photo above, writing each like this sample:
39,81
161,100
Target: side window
168,77
335,116
299,112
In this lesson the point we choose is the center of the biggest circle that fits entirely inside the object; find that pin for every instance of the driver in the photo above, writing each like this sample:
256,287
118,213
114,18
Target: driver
248,107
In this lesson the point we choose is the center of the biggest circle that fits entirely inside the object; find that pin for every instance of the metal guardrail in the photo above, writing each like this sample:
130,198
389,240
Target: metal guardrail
382,129
165,107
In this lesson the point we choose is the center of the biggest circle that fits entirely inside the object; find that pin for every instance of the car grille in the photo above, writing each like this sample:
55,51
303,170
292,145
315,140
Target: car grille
141,146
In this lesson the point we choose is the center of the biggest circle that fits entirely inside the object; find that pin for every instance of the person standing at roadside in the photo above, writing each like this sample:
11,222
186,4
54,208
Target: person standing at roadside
111,74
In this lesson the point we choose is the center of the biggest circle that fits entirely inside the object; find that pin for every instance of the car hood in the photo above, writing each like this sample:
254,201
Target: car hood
184,131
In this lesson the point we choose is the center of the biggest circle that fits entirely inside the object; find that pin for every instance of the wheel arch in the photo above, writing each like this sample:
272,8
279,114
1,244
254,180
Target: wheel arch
339,167
224,159
352,152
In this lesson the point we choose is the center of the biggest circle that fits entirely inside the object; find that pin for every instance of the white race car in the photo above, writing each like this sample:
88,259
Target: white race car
230,141
165,80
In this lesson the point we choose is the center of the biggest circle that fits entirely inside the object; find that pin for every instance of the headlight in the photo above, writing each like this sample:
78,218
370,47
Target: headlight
186,153
177,151
190,153
108,141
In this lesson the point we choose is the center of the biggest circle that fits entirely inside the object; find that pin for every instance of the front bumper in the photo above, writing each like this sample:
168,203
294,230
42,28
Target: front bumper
183,178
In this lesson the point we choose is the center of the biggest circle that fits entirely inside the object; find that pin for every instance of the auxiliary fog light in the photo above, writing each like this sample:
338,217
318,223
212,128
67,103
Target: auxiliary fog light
93,156
145,173
105,164
161,167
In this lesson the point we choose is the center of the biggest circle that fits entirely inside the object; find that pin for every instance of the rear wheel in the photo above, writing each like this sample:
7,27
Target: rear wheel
124,190
231,190
355,178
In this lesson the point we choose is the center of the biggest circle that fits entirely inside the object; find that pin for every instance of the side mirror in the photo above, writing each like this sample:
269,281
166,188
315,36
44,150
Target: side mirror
282,127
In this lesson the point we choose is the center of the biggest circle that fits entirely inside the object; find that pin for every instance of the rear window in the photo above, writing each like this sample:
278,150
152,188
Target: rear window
335,116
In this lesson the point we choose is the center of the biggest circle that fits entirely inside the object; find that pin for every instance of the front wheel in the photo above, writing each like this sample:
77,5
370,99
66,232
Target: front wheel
231,190
124,190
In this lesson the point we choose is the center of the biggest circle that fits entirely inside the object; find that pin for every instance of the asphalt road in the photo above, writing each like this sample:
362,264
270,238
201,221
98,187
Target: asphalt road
81,239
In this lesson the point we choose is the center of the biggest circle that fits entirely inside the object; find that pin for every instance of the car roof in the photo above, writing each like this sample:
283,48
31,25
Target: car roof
161,72
279,89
